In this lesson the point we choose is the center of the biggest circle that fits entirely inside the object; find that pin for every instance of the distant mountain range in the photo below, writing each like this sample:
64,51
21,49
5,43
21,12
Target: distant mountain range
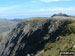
16,20
6,25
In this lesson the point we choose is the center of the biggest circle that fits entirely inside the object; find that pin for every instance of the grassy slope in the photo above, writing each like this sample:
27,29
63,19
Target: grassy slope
65,43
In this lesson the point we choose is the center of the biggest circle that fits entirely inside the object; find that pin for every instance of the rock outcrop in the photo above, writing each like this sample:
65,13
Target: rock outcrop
30,36
60,14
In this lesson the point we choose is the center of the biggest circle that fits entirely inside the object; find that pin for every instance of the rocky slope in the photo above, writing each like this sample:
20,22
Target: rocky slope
30,37
64,42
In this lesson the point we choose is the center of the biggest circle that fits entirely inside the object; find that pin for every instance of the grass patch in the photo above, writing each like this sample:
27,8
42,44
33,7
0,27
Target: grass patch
65,43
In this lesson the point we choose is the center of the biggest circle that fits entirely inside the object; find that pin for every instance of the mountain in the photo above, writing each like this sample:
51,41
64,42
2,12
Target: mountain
39,37
62,16
16,20
6,25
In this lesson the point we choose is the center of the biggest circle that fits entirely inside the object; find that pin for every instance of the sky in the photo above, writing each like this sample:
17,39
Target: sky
10,9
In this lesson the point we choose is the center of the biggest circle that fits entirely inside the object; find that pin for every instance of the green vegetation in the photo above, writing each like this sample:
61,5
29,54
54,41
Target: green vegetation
66,42
69,28
1,37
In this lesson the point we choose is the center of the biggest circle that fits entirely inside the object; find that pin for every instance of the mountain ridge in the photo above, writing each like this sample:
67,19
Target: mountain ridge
32,36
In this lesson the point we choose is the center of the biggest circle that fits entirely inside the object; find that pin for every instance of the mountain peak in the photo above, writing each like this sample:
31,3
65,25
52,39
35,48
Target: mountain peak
60,15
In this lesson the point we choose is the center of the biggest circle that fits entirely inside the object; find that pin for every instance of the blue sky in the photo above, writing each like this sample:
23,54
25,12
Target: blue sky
35,8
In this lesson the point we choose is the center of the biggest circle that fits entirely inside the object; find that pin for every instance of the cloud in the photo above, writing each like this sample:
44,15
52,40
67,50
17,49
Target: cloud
34,1
54,0
54,10
5,9
41,12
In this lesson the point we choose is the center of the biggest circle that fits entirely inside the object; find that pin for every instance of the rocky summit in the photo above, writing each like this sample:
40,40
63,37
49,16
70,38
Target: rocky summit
61,14
29,37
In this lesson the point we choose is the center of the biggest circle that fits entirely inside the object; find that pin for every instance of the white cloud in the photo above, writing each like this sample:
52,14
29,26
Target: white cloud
53,0
34,1
56,9
48,11
42,12
53,10
3,9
